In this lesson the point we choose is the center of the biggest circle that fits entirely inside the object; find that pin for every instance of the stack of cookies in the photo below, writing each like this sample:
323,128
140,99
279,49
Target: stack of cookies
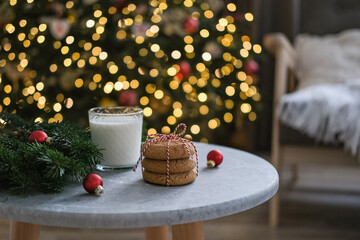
181,165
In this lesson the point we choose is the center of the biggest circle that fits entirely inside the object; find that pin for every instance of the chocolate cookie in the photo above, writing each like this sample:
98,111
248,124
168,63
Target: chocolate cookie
175,165
176,179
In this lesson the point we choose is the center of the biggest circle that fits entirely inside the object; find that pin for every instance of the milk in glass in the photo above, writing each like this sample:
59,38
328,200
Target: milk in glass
118,135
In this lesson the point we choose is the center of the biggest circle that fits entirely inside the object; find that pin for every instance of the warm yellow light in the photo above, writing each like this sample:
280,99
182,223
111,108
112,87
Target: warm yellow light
257,48
108,87
165,130
155,47
189,48
24,62
212,124
154,72
216,82
176,54
252,116
206,56
230,91
67,62
187,87
81,63
228,117
79,83
202,97
177,105
204,33
159,94
231,7
40,39
26,43
244,86
150,88
69,40
177,112
247,45
92,86
144,100
143,52
69,4
249,17
171,71
188,39
147,112
22,23
171,120
10,28
64,50
244,53
134,84
118,86
208,14
151,131
113,69
7,89
40,86
229,104
245,108
97,13
57,107
75,56
195,129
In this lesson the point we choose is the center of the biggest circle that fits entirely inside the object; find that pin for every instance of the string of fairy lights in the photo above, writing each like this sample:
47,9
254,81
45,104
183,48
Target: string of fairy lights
92,53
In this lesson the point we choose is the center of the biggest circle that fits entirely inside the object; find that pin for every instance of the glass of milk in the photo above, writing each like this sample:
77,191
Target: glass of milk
117,132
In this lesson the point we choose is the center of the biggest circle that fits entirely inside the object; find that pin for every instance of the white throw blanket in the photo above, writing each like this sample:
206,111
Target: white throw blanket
326,105
330,113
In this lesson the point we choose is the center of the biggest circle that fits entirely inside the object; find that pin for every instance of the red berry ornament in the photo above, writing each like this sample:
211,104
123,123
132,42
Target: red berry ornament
191,25
38,136
214,158
128,98
93,184
185,70
251,68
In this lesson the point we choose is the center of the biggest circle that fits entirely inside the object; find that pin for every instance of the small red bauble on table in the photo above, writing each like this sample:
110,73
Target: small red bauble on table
214,158
39,136
93,184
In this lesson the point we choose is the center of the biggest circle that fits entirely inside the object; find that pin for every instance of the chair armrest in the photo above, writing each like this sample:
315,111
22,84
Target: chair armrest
285,59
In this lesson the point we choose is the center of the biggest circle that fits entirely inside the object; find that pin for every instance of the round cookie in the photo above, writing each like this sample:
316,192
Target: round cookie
177,150
176,179
175,165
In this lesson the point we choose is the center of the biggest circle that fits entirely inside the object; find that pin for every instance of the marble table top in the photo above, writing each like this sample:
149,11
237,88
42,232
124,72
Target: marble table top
241,182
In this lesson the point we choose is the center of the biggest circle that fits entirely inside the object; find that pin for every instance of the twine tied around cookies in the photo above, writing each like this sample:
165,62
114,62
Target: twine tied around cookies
157,137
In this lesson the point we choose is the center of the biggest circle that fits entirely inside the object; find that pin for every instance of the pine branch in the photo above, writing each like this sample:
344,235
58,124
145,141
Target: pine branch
33,167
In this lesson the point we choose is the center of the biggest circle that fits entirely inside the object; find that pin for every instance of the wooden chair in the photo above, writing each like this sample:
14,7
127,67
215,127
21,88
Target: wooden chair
283,151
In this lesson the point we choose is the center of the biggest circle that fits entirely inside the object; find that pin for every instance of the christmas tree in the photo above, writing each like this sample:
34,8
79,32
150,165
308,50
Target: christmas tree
188,61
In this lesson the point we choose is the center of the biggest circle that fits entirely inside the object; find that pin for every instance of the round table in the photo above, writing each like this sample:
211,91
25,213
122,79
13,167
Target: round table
241,182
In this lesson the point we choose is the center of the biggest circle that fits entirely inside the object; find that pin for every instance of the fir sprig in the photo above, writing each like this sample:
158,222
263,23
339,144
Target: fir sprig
33,167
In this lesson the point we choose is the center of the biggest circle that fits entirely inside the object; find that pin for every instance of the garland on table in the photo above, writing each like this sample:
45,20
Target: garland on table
28,166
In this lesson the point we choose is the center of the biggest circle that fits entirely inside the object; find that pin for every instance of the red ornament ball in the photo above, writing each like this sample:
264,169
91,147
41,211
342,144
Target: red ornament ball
251,67
185,70
191,25
128,98
214,158
38,136
93,184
